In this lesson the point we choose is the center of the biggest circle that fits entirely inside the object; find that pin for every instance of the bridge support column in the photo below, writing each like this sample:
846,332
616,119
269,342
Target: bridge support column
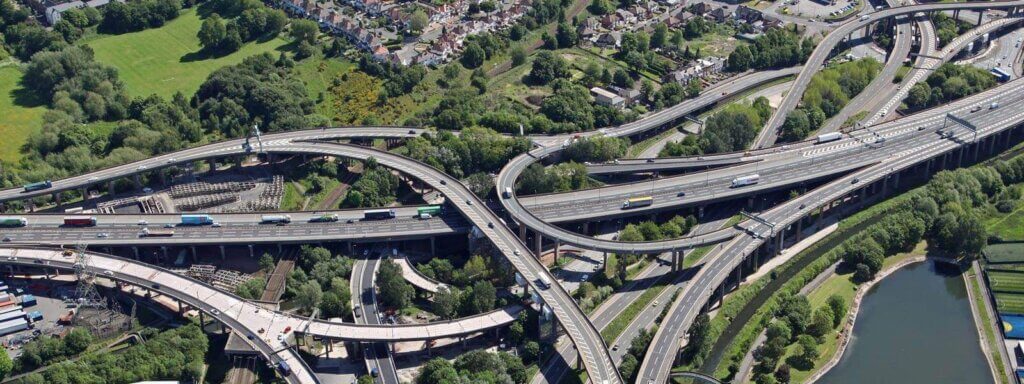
980,13
430,353
202,320
253,254
135,250
750,202
960,157
181,309
213,164
992,144
799,230
85,194
433,246
350,249
522,232
700,212
896,181
675,261
782,241
110,187
557,243
586,228
57,199
164,249
604,259
280,248
223,253
928,167
195,255
538,239
137,179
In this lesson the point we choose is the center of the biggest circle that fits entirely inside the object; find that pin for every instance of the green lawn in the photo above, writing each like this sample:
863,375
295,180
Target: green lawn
1011,282
166,60
1010,303
21,113
1005,253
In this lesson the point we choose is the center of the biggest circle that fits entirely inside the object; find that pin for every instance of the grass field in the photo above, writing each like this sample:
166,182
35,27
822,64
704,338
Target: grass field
1005,253
1010,303
168,59
22,113
1011,282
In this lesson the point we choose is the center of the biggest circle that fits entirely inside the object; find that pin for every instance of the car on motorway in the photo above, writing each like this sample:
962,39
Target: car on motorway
976,108
169,225
350,221
490,224
216,224
141,168
994,105
7,239
615,347
103,235
375,372
802,206
143,222
855,180
171,160
214,311
108,272
469,202
94,178
412,131
155,286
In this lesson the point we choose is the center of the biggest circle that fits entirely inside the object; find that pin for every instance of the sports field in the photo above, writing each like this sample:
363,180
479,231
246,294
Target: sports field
1010,303
168,59
21,113
1005,253
1011,282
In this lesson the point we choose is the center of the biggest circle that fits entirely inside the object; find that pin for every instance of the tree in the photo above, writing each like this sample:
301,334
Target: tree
822,322
305,30
394,291
531,351
482,298
807,352
518,56
446,303
660,36
438,371
418,21
621,78
600,7
212,32
566,35
516,333
838,306
547,67
251,289
6,365
309,296
796,310
473,56
266,262
782,374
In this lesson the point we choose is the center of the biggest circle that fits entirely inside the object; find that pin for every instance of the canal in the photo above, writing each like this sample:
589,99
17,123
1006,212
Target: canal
915,326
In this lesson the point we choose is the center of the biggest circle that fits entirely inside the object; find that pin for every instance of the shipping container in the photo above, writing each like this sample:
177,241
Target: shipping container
38,186
745,180
35,316
275,219
79,221
157,232
11,326
28,301
325,218
196,219
12,315
827,137
379,214
634,202
433,210
11,309
13,221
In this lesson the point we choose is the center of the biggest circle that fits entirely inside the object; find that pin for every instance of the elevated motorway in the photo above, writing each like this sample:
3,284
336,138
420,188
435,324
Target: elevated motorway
209,151
825,47
665,164
235,228
719,265
591,347
781,169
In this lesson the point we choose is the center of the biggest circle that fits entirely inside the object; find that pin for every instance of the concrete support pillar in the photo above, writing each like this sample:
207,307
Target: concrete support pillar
522,232
750,202
700,212
164,249
181,309
557,243
251,252
137,179
57,199
960,157
586,228
433,247
195,255
782,241
223,253
280,248
238,161
110,187
799,230
896,180
350,249
928,167
135,250
604,258
538,239
85,193
213,164
202,320
427,344
992,144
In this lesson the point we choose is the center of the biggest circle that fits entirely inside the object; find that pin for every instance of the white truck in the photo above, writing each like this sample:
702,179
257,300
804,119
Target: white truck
743,181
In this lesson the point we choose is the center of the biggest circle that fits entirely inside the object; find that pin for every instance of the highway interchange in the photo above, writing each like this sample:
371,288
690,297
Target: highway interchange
861,158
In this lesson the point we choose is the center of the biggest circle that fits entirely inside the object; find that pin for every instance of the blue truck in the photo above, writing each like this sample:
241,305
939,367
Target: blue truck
38,186
196,219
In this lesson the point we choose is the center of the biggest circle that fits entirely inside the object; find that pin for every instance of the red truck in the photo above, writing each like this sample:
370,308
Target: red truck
79,221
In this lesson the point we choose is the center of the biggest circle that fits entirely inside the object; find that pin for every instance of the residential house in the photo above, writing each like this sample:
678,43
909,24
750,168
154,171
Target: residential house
701,8
609,40
604,97
747,14
720,15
